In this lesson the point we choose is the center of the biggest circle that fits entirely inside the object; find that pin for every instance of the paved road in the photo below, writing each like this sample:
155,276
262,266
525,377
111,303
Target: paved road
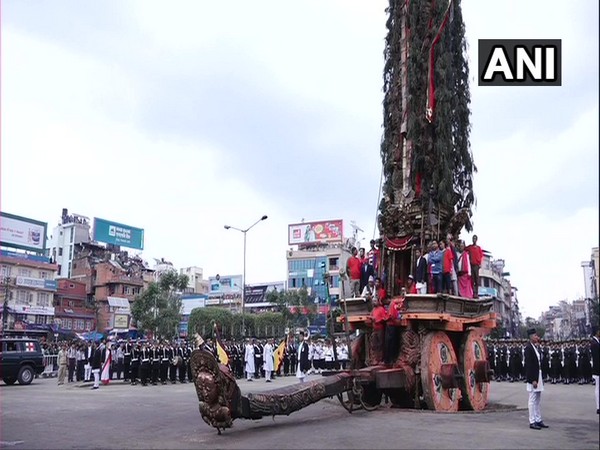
45,416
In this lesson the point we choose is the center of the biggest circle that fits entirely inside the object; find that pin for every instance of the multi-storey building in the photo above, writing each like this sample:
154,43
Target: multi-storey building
113,280
28,286
196,282
73,229
72,311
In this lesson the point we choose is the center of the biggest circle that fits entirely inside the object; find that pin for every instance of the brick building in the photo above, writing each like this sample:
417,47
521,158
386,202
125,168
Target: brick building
71,310
113,279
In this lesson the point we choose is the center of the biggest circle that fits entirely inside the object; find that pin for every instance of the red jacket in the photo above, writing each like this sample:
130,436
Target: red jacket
448,261
475,254
354,265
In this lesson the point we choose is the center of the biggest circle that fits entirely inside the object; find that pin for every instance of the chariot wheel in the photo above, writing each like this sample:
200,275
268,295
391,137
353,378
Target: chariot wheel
439,375
475,366
349,401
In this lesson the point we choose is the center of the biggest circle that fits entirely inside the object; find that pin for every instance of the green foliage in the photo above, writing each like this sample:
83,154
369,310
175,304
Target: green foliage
303,305
201,321
441,153
230,325
531,323
158,307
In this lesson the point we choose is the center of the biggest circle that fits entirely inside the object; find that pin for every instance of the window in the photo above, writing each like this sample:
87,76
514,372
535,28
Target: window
293,282
23,272
40,320
59,269
24,297
71,304
43,274
71,238
5,271
20,317
69,272
43,299
9,346
127,290
60,251
71,252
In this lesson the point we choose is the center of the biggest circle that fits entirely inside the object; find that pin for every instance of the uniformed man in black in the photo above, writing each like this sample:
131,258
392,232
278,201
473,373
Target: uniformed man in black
165,357
172,367
258,357
188,360
135,364
182,367
144,364
127,348
155,360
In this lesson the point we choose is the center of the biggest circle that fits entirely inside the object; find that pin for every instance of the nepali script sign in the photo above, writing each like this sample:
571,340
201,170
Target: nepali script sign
118,234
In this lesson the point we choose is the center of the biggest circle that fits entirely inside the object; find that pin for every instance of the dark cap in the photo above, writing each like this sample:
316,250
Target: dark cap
531,331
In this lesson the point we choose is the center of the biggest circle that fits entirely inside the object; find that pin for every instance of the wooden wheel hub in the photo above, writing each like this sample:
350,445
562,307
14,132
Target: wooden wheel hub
439,369
476,369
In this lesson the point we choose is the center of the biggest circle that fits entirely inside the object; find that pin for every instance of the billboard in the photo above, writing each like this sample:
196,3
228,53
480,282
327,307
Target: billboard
225,284
37,283
121,321
191,303
326,231
118,234
21,232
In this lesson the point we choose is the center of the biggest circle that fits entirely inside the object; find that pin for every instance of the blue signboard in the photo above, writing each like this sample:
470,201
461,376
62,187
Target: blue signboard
27,256
487,292
118,234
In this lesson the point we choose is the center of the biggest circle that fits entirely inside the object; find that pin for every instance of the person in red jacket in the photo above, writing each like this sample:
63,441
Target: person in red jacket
353,266
411,287
476,256
447,265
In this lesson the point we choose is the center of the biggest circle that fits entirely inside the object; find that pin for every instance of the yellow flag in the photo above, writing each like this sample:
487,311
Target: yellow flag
279,353
223,358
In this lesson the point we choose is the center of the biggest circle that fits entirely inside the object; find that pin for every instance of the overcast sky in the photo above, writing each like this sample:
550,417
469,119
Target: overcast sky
180,117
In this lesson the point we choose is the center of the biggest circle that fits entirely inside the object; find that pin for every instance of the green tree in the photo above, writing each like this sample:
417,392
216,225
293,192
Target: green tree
202,320
530,322
297,307
158,308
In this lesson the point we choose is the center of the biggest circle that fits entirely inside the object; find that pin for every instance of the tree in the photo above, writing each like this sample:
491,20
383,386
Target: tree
297,307
158,308
202,320
532,323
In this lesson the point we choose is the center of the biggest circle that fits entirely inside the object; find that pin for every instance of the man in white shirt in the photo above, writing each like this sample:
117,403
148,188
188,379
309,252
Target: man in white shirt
535,383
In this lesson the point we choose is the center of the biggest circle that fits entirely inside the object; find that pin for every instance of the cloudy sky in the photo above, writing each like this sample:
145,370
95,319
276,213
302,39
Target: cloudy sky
182,116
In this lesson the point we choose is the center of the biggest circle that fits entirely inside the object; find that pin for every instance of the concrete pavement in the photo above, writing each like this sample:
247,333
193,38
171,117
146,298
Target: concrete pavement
44,415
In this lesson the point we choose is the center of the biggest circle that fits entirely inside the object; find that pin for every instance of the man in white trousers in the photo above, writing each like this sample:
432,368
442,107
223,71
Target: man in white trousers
249,358
268,359
535,384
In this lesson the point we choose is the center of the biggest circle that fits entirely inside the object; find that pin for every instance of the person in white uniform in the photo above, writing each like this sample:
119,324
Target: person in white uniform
268,359
249,358
535,383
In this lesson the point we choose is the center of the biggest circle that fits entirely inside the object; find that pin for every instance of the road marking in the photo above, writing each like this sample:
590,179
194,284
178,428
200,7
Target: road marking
11,443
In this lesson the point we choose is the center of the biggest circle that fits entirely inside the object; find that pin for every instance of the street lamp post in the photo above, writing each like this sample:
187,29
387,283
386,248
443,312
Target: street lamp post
244,231
5,304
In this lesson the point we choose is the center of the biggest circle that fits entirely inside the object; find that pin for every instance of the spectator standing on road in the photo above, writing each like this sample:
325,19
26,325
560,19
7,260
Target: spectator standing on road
595,348
249,358
268,359
303,361
62,365
72,357
96,364
353,266
535,384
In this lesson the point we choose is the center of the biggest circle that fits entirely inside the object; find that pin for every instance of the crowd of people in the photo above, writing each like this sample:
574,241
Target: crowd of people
566,362
257,358
143,362
446,266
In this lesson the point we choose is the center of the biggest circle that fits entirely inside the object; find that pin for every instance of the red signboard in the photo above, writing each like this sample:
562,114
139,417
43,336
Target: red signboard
326,231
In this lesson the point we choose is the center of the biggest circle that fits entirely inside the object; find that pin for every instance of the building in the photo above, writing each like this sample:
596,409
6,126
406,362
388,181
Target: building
161,267
28,289
72,311
196,282
256,300
225,292
189,303
113,279
72,230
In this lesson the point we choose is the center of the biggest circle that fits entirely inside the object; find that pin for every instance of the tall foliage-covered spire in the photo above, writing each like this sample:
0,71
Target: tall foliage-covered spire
427,162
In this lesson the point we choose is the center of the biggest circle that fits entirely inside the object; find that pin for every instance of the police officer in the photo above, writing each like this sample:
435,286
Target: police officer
182,366
134,366
155,360
165,356
144,364
127,349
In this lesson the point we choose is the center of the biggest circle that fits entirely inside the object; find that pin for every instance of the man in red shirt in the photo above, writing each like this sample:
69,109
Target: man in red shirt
353,266
476,256
447,265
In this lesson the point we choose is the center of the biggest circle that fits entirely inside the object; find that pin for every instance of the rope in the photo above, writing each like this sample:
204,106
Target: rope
378,200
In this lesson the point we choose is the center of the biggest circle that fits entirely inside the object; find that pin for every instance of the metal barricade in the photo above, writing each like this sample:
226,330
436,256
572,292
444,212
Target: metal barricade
50,366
